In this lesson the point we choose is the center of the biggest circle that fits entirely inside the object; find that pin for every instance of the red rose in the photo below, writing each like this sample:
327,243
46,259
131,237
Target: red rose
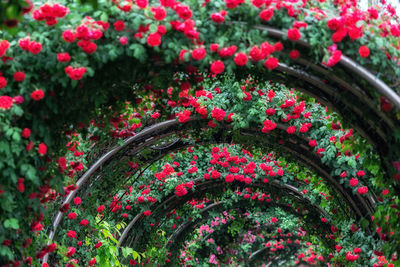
42,149
92,262
214,47
26,133
353,182
72,215
294,54
119,25
71,234
199,53
37,95
217,67
77,200
159,13
84,222
63,57
266,14
147,213
100,208
4,45
291,130
19,76
184,116
363,51
271,63
123,40
293,34
68,36
142,3
312,143
96,246
5,102
218,114
3,82
71,251
240,59
20,185
35,47
217,17
154,39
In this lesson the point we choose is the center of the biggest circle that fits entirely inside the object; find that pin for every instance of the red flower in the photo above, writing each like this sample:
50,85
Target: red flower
26,133
293,34
123,40
217,67
100,208
142,3
119,25
68,36
360,173
199,53
334,24
71,251
294,54
229,178
291,130
154,39
5,102
37,95
77,200
3,82
84,222
271,63
72,215
218,114
184,116
268,126
217,17
312,143
92,262
19,76
363,51
71,234
4,45
180,190
96,246
63,57
270,111
159,13
155,115
266,14
75,73
42,149
35,47
362,190
147,213
214,47
20,185
353,182
240,59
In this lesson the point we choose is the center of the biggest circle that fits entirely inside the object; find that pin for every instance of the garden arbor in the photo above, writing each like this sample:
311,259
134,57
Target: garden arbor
127,128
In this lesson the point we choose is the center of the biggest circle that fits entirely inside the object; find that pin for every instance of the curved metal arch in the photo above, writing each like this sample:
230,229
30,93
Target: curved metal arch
183,227
144,135
171,201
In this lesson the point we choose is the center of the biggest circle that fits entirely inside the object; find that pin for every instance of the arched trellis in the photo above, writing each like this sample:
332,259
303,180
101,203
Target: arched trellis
172,201
253,256
185,227
167,128
376,139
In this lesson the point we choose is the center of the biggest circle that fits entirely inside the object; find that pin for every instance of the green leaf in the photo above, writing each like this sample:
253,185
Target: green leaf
11,223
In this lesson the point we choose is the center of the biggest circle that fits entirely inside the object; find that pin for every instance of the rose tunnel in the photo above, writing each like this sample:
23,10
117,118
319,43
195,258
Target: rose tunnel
235,132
